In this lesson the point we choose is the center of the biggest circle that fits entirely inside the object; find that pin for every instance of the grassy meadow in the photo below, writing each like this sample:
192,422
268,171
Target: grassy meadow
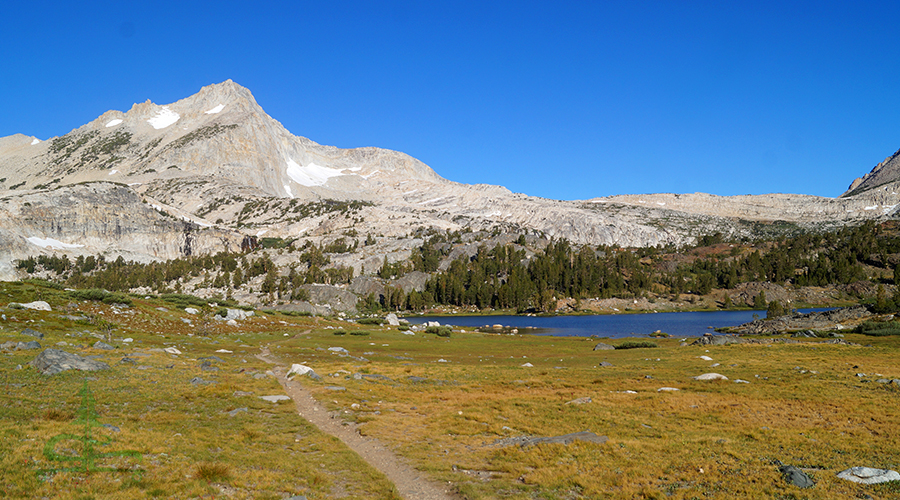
449,406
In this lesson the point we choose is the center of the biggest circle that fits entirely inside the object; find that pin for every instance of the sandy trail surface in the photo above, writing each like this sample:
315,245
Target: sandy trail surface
410,483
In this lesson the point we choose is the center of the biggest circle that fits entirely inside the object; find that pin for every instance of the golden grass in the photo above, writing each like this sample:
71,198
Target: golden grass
804,406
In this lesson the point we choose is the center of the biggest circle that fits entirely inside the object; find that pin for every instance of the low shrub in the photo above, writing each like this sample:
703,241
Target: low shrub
340,332
100,295
370,321
875,329
440,331
636,344
403,328
359,332
183,300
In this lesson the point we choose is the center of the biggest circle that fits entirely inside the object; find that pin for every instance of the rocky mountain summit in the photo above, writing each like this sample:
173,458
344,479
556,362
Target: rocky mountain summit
205,173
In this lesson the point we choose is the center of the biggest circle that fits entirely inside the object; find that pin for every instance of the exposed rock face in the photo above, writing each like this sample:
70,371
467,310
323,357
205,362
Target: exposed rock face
223,170
885,175
89,219
817,320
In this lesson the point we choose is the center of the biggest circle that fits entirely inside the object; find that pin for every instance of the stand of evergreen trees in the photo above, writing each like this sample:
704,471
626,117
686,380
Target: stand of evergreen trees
503,278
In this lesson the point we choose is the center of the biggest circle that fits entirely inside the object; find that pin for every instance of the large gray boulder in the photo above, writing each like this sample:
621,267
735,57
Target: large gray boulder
868,475
53,361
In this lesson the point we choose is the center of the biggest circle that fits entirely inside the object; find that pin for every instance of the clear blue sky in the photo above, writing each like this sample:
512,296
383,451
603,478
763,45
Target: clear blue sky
566,100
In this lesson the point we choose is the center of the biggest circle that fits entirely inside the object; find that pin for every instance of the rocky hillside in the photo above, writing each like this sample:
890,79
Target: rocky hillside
885,175
215,162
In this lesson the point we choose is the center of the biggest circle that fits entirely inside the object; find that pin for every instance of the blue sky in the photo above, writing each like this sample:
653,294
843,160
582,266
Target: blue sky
565,100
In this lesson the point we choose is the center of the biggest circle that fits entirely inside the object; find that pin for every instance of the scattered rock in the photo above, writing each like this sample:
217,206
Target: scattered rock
234,314
710,376
172,350
392,319
241,393
603,347
191,310
38,305
208,367
796,476
103,345
706,358
53,361
667,389
337,349
32,333
335,388
710,339
236,411
586,436
605,364
580,401
200,381
868,475
527,365
275,399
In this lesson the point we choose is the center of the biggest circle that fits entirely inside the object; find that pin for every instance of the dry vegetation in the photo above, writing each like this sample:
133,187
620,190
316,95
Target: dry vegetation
446,405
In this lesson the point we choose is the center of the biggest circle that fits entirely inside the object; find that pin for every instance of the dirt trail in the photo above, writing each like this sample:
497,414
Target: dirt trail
410,484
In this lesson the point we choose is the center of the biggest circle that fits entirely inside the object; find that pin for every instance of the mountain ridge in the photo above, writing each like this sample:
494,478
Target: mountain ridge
218,162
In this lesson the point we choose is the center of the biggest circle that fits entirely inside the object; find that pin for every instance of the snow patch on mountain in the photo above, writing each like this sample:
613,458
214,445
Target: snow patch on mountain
164,117
311,174
216,109
35,141
51,243
113,123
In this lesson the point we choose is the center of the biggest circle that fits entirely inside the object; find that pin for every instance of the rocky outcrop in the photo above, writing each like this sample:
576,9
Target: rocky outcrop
817,320
95,218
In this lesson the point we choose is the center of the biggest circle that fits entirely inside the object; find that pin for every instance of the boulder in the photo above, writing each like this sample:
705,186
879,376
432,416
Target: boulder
32,333
868,475
796,476
102,345
392,319
53,361
297,369
585,436
710,339
603,347
37,305
710,376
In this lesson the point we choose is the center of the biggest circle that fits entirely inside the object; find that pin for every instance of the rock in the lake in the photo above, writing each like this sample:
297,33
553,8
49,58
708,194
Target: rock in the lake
868,475
53,361
796,476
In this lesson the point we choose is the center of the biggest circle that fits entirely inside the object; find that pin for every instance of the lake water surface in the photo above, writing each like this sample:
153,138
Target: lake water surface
677,324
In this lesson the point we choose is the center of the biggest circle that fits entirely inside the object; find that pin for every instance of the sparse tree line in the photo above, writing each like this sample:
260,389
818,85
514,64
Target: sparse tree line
503,278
